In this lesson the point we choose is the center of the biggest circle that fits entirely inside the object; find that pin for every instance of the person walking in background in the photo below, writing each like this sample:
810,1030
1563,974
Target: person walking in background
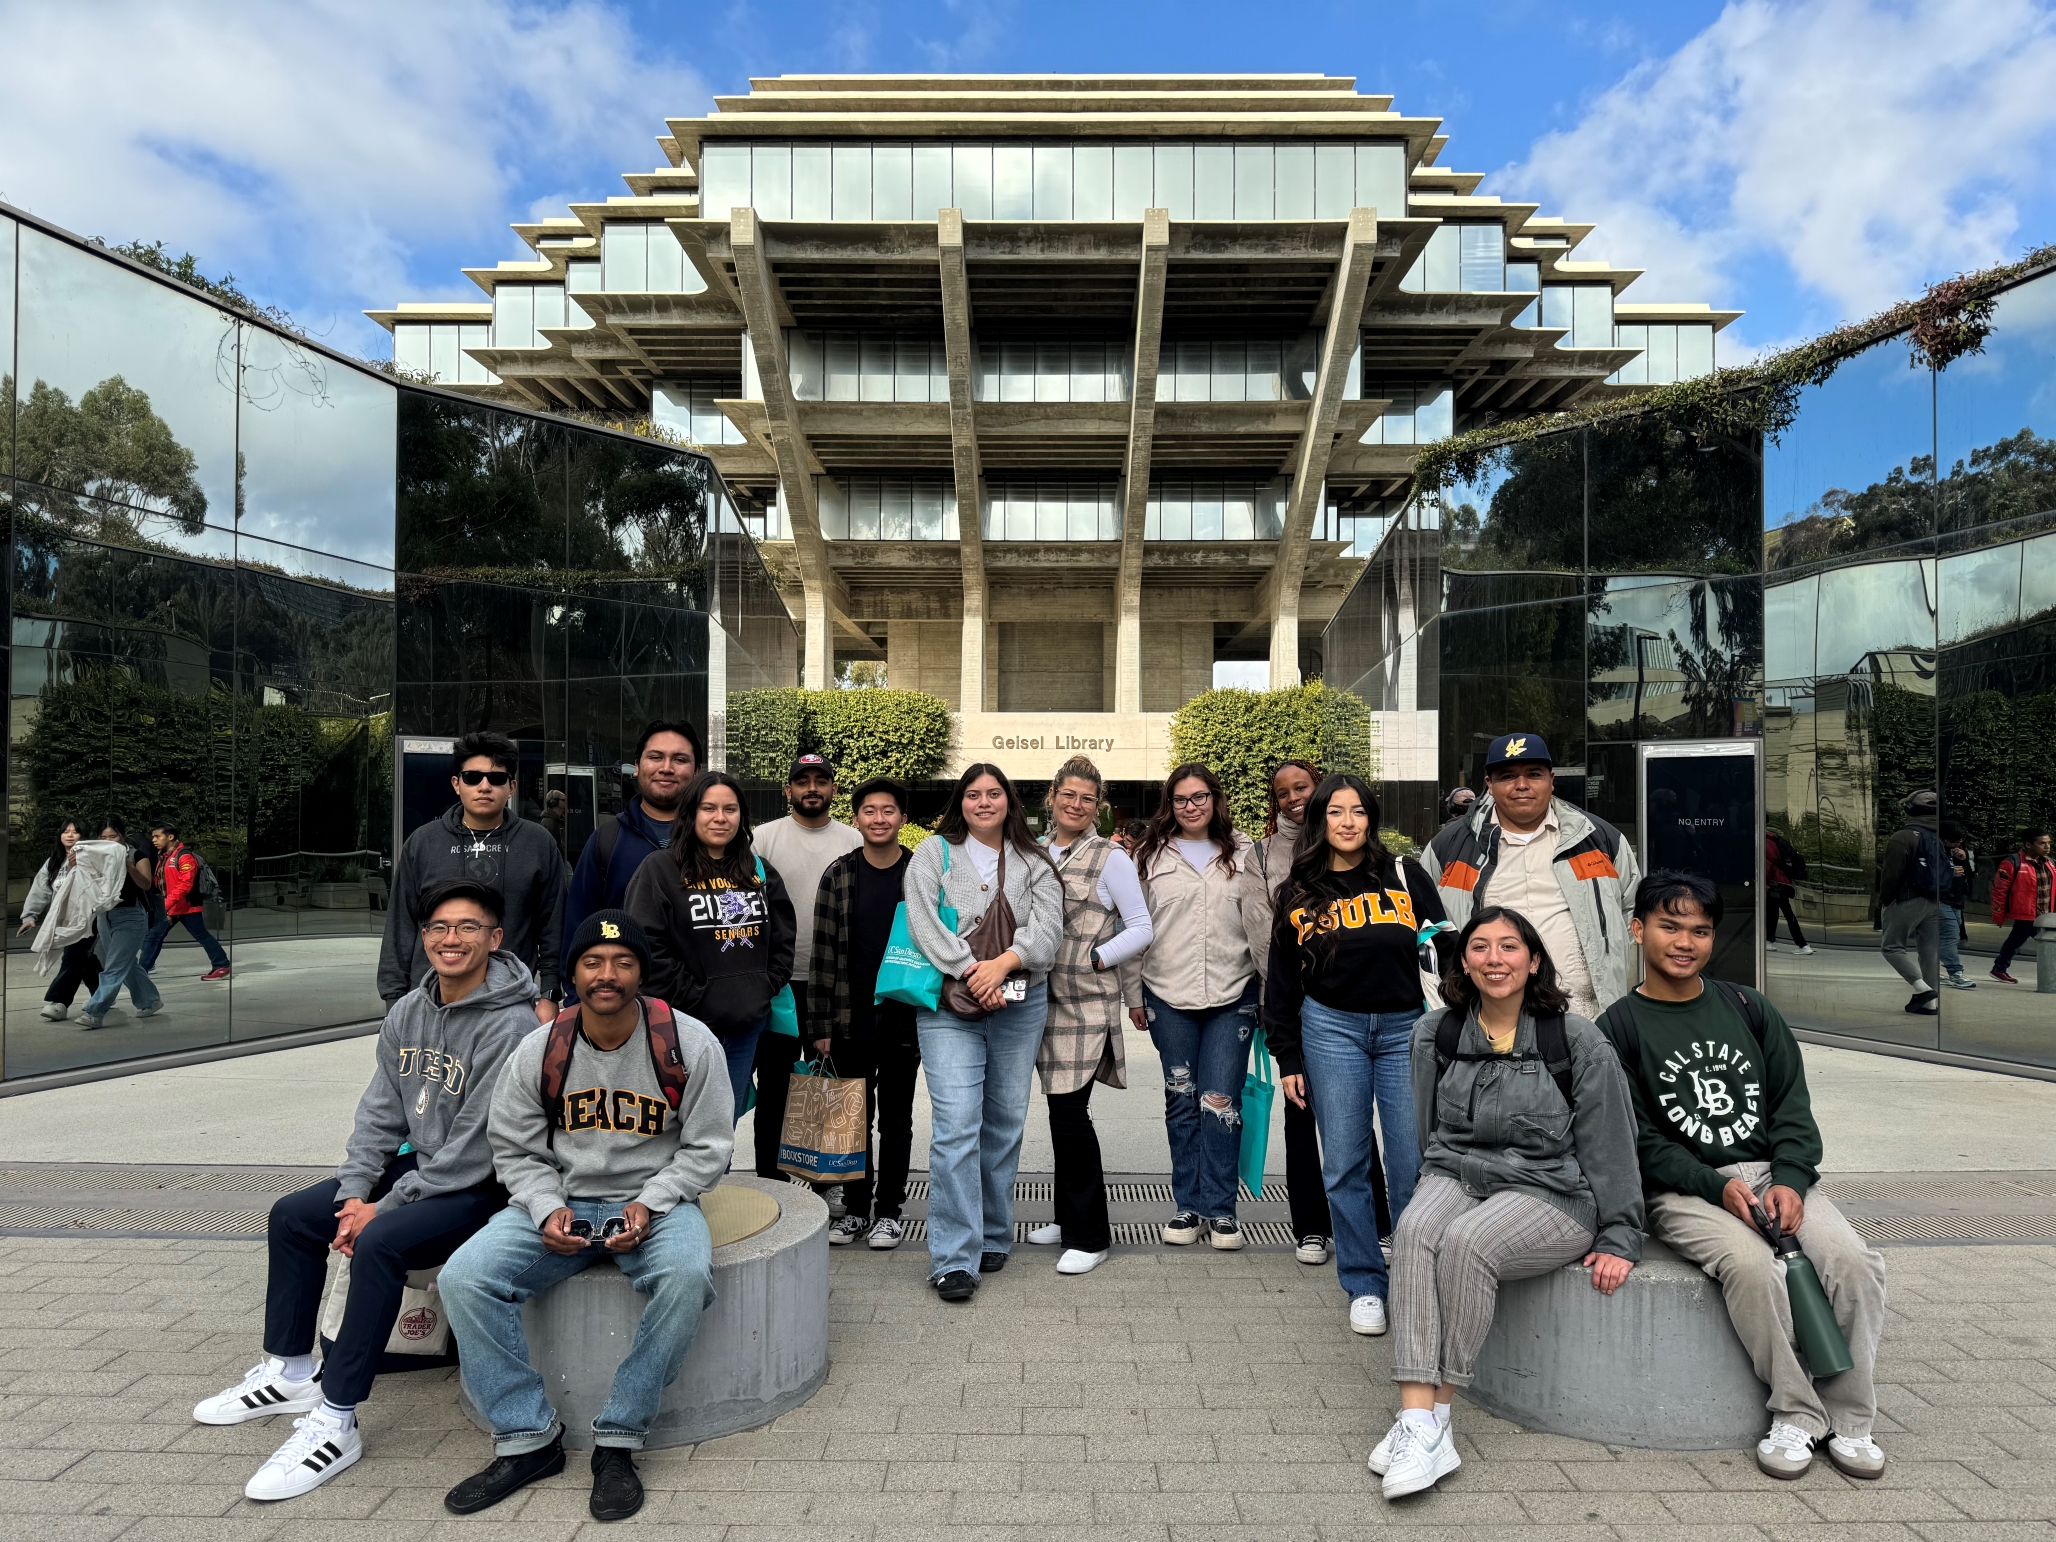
1527,1139
79,964
1106,929
1130,836
800,846
483,840
122,931
667,757
1910,872
1343,995
1292,787
1569,872
1200,995
1957,882
720,925
877,1040
556,819
2021,890
1460,802
1783,867
178,881
979,1045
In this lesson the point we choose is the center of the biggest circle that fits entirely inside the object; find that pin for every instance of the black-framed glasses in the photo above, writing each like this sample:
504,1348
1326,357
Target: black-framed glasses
496,778
1192,799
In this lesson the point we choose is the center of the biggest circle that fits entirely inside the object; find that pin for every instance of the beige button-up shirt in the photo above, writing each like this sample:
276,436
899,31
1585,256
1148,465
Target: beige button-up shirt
1524,879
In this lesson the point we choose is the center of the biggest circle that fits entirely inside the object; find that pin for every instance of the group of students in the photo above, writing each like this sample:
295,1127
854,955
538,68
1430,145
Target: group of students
1474,1008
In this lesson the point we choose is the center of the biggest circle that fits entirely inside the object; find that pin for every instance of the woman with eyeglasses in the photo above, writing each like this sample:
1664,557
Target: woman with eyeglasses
1106,928
979,1043
720,924
1199,995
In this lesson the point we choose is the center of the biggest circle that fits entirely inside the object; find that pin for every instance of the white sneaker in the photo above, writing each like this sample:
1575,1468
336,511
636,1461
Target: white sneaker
320,1448
1856,1458
1420,1460
1381,1453
1046,1236
53,1012
1786,1452
1805,952
1367,1316
261,1393
1078,1261
887,1233
847,1230
1313,1249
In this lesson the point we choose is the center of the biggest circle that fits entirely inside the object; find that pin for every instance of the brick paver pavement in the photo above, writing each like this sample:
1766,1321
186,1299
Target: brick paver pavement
1169,1395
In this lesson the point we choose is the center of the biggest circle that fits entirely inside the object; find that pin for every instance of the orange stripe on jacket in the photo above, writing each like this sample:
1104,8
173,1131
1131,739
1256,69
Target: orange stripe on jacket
1593,864
1459,875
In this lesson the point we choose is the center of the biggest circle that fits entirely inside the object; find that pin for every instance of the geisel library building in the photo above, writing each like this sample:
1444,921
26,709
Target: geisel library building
1054,393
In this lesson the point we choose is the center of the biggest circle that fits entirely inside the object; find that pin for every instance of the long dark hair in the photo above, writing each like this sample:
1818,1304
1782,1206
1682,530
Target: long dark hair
1271,788
956,829
1311,879
696,865
1544,997
1163,826
57,851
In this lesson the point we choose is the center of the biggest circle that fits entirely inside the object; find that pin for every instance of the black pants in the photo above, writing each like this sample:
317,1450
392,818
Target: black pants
1303,1182
416,1236
2015,941
77,966
889,1070
1081,1187
775,1055
1781,904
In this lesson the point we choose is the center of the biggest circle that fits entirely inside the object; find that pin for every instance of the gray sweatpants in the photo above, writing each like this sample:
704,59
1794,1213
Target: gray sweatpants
1448,1256
1913,941
1753,1281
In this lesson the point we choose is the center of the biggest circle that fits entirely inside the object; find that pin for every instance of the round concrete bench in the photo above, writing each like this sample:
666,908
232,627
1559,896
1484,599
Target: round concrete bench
1656,1364
762,1347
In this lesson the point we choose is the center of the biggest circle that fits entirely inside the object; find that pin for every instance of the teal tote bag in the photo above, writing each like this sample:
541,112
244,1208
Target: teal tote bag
904,974
785,1012
1258,1093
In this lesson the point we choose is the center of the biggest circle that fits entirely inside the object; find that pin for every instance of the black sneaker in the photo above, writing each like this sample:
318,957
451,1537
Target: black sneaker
1923,1004
991,1263
1183,1229
1224,1234
957,1285
486,1488
617,1491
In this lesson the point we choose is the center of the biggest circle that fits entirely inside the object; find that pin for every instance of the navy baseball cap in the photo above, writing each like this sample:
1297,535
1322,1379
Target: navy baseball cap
1518,749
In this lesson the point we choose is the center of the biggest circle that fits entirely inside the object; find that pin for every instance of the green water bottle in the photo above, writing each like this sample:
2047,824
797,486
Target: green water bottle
1820,1339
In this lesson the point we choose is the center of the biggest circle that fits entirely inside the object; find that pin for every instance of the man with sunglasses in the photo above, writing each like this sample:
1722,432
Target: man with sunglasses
482,840
439,1054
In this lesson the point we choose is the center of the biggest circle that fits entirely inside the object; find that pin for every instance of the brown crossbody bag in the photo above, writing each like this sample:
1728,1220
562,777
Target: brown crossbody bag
991,937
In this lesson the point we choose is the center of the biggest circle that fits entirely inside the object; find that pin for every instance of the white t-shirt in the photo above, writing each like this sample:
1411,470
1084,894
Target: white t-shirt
984,858
801,855
1198,853
1524,879
1120,890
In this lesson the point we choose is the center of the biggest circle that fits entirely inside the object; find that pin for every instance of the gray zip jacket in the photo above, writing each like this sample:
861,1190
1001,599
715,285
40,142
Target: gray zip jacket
434,1086
1500,1124
1033,888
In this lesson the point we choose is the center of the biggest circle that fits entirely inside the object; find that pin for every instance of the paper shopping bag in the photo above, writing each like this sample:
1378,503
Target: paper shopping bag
823,1140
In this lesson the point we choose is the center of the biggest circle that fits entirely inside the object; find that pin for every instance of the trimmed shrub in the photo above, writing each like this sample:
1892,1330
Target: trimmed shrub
1243,734
901,734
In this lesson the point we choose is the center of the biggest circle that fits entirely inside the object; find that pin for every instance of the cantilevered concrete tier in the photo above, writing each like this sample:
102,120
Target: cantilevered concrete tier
1053,391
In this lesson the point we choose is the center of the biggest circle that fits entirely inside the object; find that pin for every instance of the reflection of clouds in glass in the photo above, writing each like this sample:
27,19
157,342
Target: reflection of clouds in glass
318,445
1873,415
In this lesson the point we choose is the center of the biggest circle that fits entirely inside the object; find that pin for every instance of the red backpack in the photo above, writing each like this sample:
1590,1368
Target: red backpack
664,1055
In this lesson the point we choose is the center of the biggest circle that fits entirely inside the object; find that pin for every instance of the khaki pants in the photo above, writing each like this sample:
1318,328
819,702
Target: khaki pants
1753,1281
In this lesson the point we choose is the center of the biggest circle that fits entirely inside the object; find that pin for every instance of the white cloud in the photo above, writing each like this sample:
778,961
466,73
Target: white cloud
1868,147
322,140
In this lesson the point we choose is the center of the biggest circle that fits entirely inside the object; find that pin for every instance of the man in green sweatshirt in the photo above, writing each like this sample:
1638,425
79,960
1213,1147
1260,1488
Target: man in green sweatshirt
1725,1122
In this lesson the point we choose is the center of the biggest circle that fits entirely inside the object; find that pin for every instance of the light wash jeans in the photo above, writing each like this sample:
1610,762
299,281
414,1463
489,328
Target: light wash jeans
487,1279
1952,935
122,931
979,1079
1357,1062
1204,1053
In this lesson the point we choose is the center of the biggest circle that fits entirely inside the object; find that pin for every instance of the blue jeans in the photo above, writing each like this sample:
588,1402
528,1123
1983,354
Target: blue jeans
487,1279
1205,1054
196,926
1952,934
741,1052
979,1079
1357,1062
121,935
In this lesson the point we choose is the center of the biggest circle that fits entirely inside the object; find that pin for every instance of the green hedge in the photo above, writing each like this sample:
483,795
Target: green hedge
901,734
1243,734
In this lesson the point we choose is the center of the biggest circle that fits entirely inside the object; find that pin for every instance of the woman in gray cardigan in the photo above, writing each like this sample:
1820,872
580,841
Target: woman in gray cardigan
980,1068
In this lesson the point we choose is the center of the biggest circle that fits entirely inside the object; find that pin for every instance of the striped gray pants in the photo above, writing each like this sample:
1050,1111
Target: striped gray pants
1448,1256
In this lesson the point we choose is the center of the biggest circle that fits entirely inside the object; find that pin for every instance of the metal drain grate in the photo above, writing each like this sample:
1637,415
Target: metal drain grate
1042,1190
1931,1190
196,1223
1955,1228
1140,1234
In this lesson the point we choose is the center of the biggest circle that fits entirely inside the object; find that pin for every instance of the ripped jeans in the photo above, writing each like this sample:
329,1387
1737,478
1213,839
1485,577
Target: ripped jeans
1205,1055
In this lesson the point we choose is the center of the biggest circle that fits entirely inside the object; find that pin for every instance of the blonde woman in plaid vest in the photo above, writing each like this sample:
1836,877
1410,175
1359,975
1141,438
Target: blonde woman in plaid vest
1106,929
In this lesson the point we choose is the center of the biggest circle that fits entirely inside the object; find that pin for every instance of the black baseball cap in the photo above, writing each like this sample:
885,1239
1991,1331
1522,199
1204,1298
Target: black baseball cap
810,762
1518,749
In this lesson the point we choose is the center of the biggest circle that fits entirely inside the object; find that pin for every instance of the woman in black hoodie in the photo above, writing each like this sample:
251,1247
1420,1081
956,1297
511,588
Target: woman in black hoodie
720,924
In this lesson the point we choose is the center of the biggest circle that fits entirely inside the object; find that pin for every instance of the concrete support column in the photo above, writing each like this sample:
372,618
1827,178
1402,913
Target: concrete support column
1149,330
963,434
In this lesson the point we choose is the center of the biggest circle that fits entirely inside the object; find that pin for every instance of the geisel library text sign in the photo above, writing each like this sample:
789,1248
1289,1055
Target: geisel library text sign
1028,746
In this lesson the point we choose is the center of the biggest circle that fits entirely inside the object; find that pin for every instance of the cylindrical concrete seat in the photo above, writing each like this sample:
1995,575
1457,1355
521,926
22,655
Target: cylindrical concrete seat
1656,1364
761,1349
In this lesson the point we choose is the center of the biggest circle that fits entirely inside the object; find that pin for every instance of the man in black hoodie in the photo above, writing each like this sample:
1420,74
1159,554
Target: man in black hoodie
481,840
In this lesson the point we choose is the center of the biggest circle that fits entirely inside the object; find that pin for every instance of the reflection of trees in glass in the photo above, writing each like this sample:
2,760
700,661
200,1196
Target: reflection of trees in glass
1515,666
2008,479
109,444
2005,480
1719,655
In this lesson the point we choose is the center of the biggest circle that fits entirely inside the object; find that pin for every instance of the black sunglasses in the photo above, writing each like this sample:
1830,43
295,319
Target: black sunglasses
497,778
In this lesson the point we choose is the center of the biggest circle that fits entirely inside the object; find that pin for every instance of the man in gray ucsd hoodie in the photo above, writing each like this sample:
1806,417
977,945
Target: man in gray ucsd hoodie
439,1054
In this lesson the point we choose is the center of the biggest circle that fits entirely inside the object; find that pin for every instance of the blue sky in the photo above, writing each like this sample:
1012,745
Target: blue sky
1804,160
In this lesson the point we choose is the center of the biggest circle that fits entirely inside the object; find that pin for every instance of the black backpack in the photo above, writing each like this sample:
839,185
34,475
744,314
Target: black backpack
1927,872
1789,857
1549,1037
1617,1022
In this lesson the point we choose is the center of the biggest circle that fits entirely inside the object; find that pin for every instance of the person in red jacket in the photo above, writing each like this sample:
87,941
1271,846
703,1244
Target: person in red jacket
178,877
2021,890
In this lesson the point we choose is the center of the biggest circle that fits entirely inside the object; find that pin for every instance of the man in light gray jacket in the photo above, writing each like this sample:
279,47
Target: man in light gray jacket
607,1128
439,1053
